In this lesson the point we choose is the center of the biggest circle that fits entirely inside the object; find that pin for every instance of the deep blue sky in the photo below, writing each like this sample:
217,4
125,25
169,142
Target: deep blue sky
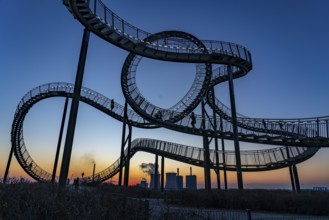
40,43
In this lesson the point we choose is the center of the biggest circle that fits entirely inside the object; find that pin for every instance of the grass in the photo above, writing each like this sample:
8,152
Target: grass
24,200
278,201
42,201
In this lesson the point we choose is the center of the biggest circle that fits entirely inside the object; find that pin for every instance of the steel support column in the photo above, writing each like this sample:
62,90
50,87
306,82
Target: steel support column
156,173
207,178
296,178
59,140
162,173
127,166
8,164
74,110
235,129
291,172
217,171
292,179
223,154
123,143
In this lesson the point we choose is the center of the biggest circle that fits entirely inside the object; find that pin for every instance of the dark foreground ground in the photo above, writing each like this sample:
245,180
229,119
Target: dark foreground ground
45,201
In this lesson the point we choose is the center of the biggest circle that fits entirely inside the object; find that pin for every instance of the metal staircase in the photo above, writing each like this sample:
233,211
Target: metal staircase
299,138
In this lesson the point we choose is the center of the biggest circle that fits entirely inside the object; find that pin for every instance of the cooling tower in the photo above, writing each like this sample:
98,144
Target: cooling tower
152,182
171,181
191,182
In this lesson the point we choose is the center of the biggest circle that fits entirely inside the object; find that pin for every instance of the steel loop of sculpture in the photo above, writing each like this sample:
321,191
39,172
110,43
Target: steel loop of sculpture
296,139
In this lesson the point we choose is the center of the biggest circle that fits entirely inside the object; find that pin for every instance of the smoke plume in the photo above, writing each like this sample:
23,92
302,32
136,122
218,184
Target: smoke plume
88,158
147,168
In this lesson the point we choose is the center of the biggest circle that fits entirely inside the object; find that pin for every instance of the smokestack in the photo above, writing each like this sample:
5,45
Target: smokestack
190,171
94,172
177,171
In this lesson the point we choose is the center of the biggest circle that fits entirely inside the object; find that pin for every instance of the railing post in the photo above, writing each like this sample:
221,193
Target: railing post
318,127
112,20
327,128
105,17
95,6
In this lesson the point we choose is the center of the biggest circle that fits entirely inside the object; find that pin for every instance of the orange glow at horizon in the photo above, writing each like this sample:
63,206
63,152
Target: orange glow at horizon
266,179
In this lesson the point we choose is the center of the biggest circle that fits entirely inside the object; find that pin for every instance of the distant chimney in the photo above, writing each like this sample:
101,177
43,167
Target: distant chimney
190,171
177,171
94,172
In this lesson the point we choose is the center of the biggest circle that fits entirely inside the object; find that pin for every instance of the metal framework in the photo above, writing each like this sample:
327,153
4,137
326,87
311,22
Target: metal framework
294,140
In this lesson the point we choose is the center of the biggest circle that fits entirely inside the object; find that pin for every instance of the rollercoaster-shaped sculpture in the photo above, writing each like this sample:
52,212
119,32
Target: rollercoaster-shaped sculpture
295,140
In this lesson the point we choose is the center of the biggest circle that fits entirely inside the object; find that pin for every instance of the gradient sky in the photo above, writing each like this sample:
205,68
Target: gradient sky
40,43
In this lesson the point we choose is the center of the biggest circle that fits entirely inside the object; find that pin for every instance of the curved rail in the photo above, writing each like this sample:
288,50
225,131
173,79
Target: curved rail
304,138
258,160
251,160
97,17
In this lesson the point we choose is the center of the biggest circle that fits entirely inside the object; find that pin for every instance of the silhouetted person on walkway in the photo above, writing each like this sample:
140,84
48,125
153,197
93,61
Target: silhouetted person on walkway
193,121
281,124
112,104
158,115
264,123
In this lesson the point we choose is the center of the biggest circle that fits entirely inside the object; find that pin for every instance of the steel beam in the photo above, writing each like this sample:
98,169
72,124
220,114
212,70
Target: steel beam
162,173
223,155
123,143
235,129
296,178
291,172
216,140
207,178
156,173
74,110
127,166
292,179
59,140
8,164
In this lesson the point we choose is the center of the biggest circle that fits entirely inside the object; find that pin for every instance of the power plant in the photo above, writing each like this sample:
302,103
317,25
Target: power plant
171,181
191,181
152,183
174,181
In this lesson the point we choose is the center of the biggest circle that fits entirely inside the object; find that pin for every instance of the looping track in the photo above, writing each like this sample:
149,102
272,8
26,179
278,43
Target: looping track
303,136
